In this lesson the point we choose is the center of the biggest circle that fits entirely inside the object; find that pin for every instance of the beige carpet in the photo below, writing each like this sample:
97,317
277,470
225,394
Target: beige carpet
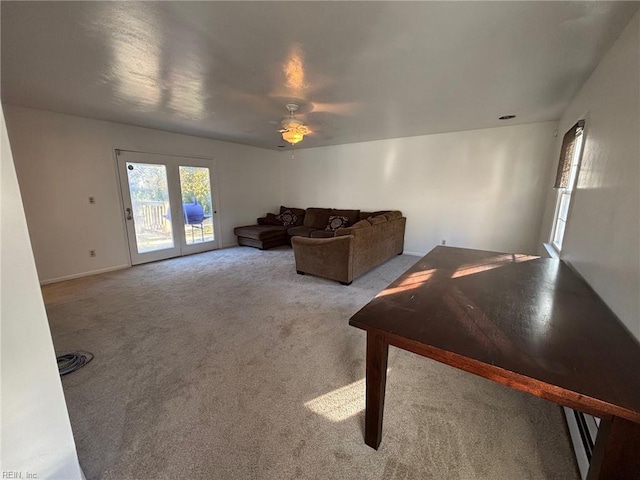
228,365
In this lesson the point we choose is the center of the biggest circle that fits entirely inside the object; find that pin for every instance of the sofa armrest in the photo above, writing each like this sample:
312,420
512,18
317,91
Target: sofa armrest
326,257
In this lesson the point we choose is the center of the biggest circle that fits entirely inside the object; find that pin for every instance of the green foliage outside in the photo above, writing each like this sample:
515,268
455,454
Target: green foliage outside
148,183
195,184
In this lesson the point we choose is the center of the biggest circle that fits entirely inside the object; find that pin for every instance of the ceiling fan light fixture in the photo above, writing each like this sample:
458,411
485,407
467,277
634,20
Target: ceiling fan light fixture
293,130
292,136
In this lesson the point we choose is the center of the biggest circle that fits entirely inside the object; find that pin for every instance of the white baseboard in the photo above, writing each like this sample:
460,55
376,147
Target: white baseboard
552,252
230,245
84,274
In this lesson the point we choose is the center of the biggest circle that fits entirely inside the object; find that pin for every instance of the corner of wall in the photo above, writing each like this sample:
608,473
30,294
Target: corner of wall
36,431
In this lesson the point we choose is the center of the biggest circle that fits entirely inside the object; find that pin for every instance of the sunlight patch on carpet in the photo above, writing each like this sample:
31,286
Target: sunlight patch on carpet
340,404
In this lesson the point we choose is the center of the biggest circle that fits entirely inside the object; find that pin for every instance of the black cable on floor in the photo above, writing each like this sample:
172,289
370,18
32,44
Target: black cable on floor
71,361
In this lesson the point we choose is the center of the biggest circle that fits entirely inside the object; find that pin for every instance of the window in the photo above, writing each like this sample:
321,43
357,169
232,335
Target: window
566,180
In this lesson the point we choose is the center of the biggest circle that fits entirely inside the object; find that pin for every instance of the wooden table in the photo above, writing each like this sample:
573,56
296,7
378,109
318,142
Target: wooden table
526,322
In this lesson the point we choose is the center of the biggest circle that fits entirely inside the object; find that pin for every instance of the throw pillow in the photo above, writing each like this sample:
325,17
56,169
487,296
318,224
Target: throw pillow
336,222
287,217
299,212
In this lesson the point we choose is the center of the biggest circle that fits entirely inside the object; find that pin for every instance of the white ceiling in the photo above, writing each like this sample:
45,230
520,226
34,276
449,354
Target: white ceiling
359,70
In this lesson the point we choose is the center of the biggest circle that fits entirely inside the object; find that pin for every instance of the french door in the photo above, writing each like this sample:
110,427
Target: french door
169,206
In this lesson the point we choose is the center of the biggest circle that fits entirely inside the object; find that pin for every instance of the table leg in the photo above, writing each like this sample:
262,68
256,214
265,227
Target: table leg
616,452
377,354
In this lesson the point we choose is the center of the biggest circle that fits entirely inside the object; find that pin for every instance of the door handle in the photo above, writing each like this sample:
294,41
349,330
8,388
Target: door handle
129,216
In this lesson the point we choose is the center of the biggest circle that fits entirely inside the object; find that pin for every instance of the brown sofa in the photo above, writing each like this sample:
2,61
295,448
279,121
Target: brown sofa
274,230
353,250
271,230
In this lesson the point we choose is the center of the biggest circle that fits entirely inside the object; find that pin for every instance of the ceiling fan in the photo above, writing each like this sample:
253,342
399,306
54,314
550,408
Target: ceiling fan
293,130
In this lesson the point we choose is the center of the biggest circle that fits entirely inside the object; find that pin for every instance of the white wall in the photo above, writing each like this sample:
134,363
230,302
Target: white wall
36,433
479,189
602,240
61,160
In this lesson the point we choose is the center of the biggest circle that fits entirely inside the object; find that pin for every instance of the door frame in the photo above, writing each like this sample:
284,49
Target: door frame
180,243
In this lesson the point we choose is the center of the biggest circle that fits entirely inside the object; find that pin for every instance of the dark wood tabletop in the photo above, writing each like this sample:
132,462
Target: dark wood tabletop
527,322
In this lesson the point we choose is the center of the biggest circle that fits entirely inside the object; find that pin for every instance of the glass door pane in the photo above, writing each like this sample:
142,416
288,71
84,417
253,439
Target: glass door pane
169,207
197,205
151,210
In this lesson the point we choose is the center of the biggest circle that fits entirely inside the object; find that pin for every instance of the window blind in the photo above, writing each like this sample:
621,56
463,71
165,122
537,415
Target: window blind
566,155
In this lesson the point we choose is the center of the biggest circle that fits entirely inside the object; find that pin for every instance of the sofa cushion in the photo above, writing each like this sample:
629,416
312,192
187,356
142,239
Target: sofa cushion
355,226
322,234
260,232
352,215
287,218
393,215
336,221
316,217
361,224
300,231
377,219
366,215
298,212
270,219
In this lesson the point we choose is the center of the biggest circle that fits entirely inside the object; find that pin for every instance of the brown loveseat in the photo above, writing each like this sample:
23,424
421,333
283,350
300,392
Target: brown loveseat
353,250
